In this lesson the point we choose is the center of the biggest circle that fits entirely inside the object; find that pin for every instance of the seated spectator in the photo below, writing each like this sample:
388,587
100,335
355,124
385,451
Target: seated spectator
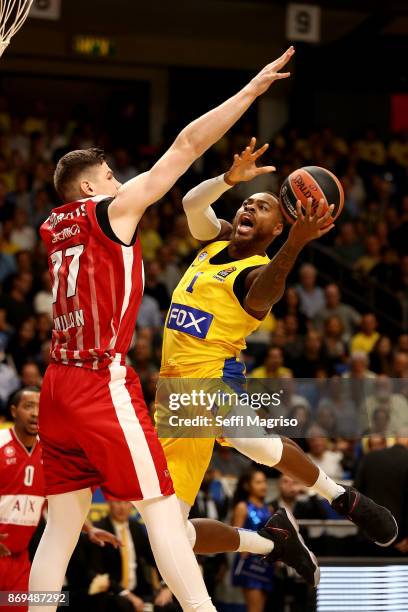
371,257
319,451
381,356
291,496
31,375
371,149
347,246
400,365
359,367
6,331
326,419
312,357
273,365
365,340
349,317
9,381
403,343
118,579
310,295
43,299
23,345
22,234
15,302
294,341
141,358
149,313
170,273
386,273
154,287
149,236
334,346
290,305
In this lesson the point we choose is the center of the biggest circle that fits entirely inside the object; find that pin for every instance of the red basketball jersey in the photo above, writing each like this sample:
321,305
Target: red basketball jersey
97,287
21,490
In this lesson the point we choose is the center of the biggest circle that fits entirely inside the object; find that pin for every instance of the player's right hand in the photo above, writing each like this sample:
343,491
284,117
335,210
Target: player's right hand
270,73
244,167
309,225
4,551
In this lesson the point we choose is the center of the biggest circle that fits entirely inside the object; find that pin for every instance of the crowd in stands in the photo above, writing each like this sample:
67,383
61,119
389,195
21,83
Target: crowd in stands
320,330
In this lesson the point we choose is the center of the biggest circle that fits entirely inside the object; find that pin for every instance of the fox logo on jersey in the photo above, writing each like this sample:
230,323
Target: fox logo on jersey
189,320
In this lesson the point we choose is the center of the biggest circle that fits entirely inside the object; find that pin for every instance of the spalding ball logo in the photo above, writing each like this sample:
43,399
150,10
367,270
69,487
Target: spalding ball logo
9,451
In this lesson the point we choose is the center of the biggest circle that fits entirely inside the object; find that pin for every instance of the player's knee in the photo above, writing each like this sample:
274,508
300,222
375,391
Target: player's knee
267,451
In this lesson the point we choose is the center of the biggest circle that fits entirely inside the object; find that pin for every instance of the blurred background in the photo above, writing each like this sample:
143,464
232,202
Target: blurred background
127,76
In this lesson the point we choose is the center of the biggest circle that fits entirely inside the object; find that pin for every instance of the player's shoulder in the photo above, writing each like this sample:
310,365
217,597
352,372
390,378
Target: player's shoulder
5,437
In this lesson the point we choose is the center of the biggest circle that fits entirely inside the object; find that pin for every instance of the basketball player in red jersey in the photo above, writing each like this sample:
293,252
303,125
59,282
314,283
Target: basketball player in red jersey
94,425
22,492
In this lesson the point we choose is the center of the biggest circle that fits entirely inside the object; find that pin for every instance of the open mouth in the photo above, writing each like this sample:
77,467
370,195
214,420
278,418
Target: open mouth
246,223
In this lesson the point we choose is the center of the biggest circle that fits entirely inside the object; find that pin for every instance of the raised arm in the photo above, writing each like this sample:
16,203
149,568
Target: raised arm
267,284
202,220
137,194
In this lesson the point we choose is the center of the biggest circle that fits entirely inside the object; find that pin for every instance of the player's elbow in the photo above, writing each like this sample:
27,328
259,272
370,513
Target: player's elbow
186,148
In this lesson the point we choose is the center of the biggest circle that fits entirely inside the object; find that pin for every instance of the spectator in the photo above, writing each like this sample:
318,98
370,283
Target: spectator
310,296
400,365
381,356
383,476
149,236
371,257
9,381
149,314
327,460
16,303
22,235
349,317
170,273
359,367
43,299
365,340
23,344
312,357
334,346
31,375
347,246
154,287
273,365
251,512
290,305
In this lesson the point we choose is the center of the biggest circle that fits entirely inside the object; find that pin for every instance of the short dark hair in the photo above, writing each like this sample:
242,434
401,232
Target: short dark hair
72,164
16,397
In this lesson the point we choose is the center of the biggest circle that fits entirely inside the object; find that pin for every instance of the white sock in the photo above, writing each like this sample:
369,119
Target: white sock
326,487
252,542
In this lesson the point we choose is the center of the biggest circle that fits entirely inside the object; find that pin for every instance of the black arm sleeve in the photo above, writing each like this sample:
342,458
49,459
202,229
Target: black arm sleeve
104,223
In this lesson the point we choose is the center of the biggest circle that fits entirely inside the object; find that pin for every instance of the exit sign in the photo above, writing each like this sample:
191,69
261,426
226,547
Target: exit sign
94,46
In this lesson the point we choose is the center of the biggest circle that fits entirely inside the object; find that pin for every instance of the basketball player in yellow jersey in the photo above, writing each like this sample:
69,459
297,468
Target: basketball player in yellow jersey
223,296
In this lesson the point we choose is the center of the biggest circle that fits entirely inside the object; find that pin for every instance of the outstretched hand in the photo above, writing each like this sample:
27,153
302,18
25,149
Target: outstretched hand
244,167
270,73
310,225
100,537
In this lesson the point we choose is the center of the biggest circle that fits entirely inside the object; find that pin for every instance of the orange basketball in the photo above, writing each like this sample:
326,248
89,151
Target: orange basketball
311,182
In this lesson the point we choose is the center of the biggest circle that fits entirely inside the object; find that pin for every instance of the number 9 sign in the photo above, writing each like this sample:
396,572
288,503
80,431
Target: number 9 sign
303,22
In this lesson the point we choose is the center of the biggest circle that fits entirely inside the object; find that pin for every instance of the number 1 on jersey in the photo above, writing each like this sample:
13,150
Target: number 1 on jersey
193,282
73,269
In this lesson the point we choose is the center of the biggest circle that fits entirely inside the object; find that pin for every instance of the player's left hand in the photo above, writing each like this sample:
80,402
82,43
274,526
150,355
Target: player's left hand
100,537
308,225
244,167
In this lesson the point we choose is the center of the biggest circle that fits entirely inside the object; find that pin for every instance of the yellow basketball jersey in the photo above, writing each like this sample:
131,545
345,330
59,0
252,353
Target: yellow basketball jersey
206,324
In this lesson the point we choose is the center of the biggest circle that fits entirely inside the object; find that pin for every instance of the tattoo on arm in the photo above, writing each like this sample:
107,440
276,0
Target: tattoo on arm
269,285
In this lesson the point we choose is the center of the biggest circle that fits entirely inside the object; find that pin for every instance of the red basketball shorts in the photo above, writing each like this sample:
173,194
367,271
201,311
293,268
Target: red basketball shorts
14,574
95,430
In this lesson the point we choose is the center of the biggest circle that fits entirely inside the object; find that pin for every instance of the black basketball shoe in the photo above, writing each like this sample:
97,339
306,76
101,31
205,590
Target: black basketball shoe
375,521
289,546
